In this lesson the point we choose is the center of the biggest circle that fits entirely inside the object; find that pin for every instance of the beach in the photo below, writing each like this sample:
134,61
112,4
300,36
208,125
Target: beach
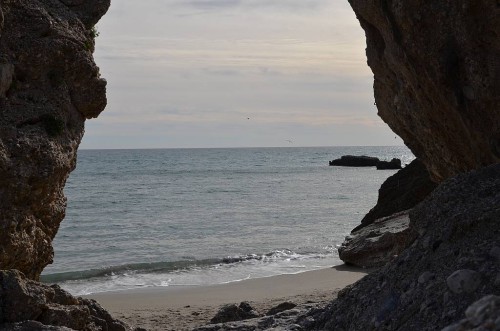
186,307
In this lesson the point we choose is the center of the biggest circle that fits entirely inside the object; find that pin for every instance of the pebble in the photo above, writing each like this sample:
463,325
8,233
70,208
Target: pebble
483,309
495,253
463,281
425,277
497,281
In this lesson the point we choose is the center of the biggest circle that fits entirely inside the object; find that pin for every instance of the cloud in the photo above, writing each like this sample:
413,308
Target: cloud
291,5
177,78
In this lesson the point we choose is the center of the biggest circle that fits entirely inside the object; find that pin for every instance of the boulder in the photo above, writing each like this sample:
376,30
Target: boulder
355,161
377,243
436,84
483,314
232,312
401,191
49,86
281,308
28,305
393,164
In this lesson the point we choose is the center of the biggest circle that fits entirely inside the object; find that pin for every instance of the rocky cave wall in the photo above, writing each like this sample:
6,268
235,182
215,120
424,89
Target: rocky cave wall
437,78
49,86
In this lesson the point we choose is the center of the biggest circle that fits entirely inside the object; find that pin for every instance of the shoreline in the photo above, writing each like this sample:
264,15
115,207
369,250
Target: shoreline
186,307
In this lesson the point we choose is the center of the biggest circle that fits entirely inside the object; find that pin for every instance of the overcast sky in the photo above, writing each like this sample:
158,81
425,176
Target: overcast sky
234,73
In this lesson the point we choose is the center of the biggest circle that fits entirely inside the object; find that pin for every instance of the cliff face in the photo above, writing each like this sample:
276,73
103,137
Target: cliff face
49,86
437,78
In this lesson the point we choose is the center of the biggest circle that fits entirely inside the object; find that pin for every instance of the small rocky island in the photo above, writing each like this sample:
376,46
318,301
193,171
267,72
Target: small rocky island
366,161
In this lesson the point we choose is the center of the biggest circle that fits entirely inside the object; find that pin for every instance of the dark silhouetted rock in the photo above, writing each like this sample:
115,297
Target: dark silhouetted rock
436,78
463,281
281,307
230,313
483,314
28,305
393,164
49,86
458,226
401,191
377,243
355,161
32,326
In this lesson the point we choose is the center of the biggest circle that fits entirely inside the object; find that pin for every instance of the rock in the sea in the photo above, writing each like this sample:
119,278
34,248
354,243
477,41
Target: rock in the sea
457,227
49,86
28,305
230,313
379,242
401,191
393,164
355,161
436,70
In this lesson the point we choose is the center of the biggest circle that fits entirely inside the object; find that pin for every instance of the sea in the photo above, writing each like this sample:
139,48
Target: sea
186,217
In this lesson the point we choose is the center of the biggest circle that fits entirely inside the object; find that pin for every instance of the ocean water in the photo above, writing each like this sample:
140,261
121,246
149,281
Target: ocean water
177,217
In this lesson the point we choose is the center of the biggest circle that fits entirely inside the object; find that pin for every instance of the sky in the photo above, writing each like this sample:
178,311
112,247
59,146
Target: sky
234,73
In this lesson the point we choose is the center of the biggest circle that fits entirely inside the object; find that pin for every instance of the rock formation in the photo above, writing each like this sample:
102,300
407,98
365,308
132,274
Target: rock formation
384,232
355,161
401,191
454,262
233,312
437,77
393,164
379,242
29,305
49,86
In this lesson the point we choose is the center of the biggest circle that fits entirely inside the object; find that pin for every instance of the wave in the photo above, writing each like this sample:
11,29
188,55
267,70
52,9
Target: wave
177,266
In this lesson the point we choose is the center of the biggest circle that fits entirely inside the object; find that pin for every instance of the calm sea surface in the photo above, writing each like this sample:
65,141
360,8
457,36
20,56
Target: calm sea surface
174,217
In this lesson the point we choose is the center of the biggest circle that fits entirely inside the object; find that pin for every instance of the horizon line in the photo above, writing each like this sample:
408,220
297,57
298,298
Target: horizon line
233,147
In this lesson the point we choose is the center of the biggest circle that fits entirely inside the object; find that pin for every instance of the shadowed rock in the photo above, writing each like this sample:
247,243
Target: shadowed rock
49,86
29,305
457,228
355,161
393,164
379,242
436,73
281,308
230,313
483,314
401,191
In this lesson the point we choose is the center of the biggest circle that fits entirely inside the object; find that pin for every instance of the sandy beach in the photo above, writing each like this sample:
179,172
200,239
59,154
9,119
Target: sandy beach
185,307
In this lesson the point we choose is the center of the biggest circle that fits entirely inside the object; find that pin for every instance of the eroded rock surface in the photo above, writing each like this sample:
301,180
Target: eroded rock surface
49,86
29,305
233,312
378,243
458,228
401,191
437,77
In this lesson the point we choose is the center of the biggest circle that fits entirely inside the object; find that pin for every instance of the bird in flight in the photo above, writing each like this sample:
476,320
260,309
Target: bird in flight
291,142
